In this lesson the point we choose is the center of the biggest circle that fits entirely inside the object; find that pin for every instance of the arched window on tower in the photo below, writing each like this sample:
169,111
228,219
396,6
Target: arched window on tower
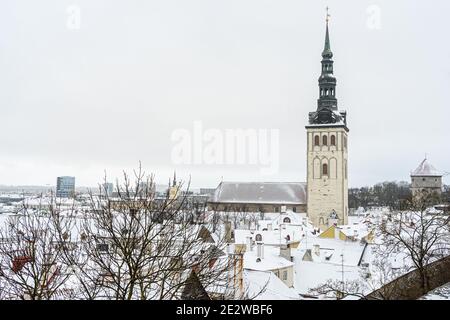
324,140
326,92
316,140
324,169
333,140
258,237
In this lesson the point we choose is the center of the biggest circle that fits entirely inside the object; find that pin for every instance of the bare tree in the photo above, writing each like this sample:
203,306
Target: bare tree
138,246
373,279
422,235
30,255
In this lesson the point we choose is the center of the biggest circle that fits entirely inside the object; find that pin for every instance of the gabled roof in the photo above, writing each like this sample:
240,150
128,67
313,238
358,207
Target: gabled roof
260,192
426,169
265,285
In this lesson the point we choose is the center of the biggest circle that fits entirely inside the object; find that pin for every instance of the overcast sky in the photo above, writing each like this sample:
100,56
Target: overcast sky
80,96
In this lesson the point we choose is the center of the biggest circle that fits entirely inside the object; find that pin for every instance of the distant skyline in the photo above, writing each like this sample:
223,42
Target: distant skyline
89,86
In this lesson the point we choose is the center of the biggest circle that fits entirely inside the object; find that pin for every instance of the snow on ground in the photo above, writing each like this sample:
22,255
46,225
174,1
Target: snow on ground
441,293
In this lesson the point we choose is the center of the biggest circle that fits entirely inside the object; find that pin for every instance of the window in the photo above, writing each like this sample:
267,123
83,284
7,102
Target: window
277,209
333,140
325,169
294,209
316,140
324,140
258,237
284,275
345,142
287,220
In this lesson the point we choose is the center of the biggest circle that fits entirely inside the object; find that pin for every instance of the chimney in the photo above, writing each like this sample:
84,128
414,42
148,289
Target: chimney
316,249
237,271
260,250
269,226
283,209
285,251
249,243
336,232
228,237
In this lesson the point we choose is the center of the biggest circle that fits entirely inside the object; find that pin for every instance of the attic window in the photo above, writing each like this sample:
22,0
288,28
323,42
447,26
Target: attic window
258,237
287,220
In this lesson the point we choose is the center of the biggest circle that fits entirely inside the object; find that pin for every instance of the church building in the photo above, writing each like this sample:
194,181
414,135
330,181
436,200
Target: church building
325,195
327,141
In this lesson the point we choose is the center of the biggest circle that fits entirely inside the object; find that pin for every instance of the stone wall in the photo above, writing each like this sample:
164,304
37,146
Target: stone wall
408,286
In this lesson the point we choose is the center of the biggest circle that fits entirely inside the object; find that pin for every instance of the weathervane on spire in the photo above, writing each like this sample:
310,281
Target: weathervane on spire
328,15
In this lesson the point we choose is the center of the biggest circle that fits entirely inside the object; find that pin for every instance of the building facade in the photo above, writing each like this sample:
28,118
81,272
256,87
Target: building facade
426,180
65,187
327,141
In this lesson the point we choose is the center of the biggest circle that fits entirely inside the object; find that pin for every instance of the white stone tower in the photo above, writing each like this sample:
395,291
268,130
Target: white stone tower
327,137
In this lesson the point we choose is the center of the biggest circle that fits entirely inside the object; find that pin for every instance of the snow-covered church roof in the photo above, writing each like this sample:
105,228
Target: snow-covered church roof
261,192
426,169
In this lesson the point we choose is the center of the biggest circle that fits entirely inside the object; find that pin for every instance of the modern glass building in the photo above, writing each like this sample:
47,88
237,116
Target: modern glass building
65,187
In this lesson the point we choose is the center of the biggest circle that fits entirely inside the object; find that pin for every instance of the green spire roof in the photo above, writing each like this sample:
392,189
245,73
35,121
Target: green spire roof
327,49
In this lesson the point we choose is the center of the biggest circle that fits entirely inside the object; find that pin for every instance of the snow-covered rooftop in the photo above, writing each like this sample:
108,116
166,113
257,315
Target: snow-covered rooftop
261,192
271,260
426,169
265,285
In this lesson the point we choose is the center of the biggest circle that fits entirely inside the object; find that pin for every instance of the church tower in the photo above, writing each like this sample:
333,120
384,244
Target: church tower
327,140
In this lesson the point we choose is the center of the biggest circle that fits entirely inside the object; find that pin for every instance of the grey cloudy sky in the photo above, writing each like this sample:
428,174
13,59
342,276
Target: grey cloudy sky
106,95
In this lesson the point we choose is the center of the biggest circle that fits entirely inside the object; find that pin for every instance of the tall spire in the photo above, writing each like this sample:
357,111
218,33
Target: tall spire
327,104
327,82
174,178
327,48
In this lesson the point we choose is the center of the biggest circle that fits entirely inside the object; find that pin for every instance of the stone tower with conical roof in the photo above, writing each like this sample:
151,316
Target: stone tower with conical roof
426,180
327,140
